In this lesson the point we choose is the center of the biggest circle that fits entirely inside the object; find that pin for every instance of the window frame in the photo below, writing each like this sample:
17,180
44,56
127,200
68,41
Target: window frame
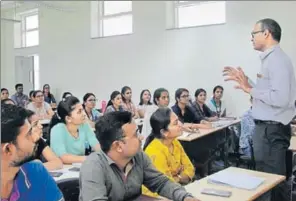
103,17
177,5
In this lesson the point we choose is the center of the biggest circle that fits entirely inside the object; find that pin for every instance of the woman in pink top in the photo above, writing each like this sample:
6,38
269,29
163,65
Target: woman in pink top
127,103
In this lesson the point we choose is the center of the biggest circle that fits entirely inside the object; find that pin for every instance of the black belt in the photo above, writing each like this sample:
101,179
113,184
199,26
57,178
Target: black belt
266,122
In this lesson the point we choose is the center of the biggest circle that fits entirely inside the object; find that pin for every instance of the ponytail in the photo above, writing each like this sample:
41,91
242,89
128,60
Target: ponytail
149,139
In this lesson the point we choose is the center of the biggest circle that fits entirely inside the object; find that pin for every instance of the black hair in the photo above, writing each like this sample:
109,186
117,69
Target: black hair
123,90
4,101
273,27
109,128
30,113
4,89
157,94
112,96
198,91
49,94
66,94
64,109
18,85
179,92
218,87
141,97
12,119
36,92
31,93
159,120
85,97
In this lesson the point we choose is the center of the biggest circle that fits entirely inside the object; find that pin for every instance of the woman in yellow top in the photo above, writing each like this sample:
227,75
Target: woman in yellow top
165,151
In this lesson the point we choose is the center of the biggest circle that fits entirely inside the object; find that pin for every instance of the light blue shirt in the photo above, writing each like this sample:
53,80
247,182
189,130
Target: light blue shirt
274,94
62,142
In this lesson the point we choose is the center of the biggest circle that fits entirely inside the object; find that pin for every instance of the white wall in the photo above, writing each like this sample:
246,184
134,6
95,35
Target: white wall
152,57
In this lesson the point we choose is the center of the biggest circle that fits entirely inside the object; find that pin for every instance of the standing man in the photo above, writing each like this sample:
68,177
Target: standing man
19,98
273,101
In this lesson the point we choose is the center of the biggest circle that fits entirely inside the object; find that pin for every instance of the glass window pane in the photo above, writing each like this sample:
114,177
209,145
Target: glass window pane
32,38
118,25
32,22
202,14
113,7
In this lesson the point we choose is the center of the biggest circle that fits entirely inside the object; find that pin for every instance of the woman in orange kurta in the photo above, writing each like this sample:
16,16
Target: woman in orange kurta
165,151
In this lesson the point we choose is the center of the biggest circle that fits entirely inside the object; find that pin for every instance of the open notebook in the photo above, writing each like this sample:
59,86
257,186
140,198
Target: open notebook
236,180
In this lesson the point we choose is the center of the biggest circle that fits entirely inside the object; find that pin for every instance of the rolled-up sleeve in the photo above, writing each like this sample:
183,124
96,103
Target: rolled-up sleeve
279,85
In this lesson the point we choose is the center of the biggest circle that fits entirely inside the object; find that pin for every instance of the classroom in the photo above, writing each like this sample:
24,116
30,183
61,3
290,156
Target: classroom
148,100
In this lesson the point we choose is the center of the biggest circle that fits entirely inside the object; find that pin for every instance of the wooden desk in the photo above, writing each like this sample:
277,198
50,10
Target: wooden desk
204,132
237,194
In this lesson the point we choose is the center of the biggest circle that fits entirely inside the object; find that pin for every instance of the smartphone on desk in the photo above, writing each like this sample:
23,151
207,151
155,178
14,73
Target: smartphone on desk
56,174
215,192
74,169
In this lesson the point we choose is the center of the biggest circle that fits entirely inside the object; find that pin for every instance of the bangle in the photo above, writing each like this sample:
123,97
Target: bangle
179,176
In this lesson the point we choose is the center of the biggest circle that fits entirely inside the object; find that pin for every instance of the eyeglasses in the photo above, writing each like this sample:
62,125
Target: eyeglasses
255,32
185,96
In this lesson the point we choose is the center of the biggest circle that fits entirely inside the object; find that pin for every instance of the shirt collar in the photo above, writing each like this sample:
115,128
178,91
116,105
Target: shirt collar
268,51
110,161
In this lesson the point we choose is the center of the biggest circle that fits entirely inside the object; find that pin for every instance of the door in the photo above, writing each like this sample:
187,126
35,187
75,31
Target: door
24,71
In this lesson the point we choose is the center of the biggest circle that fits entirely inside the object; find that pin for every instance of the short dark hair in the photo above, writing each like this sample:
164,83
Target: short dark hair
12,119
198,91
179,92
4,89
273,27
157,94
218,87
109,128
18,85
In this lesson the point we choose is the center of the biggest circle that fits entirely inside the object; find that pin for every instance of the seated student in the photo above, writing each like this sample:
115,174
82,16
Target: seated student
43,150
4,93
118,171
247,131
69,132
115,102
201,109
19,98
66,95
49,97
145,101
41,108
21,178
161,98
216,104
185,113
7,101
89,104
127,104
165,151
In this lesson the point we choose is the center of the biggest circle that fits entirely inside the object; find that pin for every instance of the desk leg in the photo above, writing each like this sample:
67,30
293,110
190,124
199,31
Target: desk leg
226,149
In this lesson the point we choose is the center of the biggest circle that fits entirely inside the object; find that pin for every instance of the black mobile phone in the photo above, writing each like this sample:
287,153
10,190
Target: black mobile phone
220,193
56,174
74,169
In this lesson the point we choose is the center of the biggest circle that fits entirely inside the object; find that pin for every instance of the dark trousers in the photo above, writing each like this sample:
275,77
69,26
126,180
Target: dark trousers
271,142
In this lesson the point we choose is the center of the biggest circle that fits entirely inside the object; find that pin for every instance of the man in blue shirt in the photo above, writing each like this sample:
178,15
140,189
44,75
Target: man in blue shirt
22,180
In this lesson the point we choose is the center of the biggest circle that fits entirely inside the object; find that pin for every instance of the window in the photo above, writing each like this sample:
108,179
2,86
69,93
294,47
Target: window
111,18
27,32
36,72
198,13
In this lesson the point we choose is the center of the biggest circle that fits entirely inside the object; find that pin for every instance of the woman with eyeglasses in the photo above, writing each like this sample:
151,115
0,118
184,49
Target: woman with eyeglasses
127,104
89,104
43,152
185,113
165,151
216,104
41,108
70,135
48,97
